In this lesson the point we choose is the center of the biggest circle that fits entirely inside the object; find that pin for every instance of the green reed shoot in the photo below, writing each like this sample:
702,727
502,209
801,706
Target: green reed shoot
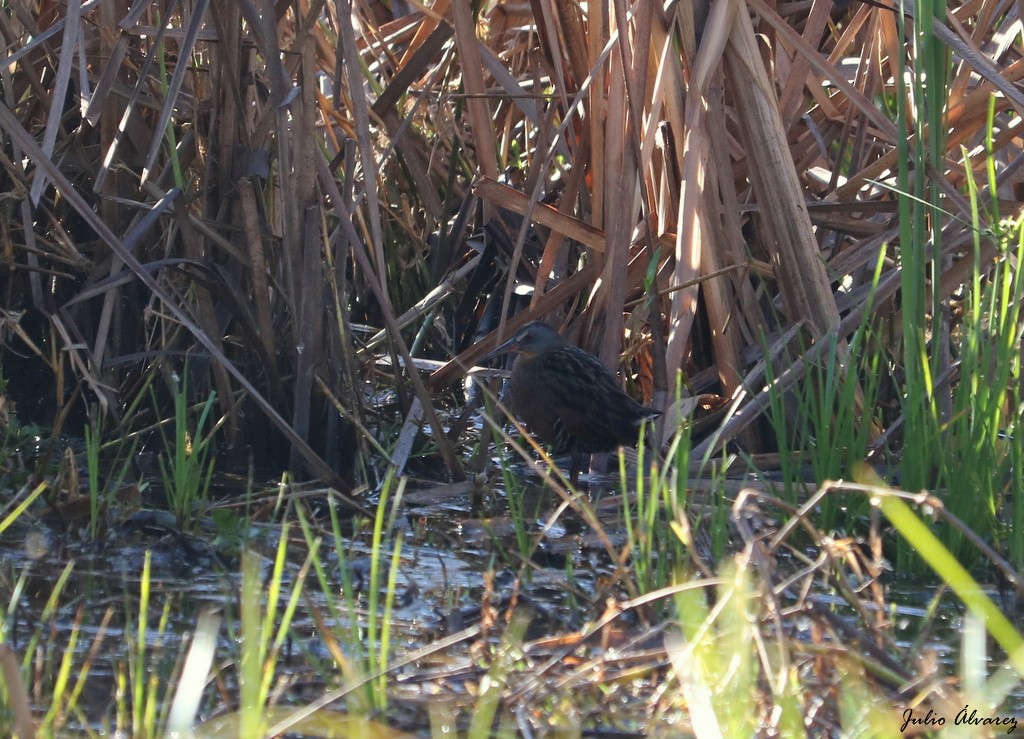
378,625
920,238
54,717
146,704
515,496
187,466
646,523
344,615
264,630
984,429
92,466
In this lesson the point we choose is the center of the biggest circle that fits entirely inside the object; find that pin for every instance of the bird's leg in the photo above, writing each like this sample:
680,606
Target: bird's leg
577,464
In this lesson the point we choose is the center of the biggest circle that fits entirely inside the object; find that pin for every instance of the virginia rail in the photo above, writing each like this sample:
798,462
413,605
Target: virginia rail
567,398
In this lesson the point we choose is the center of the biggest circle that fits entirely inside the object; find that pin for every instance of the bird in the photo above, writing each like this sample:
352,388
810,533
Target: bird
567,398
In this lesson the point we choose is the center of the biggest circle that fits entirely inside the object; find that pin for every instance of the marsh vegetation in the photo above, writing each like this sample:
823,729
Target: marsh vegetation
253,482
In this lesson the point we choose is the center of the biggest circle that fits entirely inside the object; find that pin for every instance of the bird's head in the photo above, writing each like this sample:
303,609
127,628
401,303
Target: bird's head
532,339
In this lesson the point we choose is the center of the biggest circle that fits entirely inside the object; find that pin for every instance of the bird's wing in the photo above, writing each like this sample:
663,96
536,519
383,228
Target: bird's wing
585,400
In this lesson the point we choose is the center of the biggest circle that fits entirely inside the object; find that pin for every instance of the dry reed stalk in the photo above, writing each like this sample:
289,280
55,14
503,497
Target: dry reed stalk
691,212
627,104
783,211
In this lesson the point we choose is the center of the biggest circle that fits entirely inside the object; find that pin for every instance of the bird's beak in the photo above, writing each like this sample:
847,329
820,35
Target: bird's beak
512,345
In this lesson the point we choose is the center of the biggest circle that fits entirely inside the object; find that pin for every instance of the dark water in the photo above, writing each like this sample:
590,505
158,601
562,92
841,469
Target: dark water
63,591
459,567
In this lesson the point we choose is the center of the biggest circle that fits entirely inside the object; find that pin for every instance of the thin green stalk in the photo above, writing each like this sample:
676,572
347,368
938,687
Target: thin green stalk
55,715
343,614
251,720
156,707
264,630
946,566
385,636
378,625
978,438
138,682
188,473
653,549
917,457
23,506
92,466
48,613
272,629
787,440
516,497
